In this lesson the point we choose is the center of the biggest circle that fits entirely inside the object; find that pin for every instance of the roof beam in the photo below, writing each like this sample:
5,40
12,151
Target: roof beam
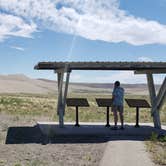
152,71
136,66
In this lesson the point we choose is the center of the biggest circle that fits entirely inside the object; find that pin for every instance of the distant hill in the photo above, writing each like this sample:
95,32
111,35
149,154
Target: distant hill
20,83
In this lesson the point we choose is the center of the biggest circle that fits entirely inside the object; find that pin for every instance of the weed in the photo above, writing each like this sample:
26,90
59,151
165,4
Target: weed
1,162
154,136
37,163
157,147
162,138
17,164
88,157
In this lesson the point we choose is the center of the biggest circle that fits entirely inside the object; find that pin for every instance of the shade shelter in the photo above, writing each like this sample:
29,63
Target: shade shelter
148,68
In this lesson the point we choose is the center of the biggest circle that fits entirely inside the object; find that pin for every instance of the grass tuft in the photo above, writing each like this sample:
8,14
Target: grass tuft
156,145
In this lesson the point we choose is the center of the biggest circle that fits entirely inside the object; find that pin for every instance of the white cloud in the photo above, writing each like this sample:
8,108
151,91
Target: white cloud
145,59
18,48
91,19
15,26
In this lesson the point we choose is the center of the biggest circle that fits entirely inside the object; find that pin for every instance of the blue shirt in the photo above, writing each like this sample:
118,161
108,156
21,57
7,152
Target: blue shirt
118,94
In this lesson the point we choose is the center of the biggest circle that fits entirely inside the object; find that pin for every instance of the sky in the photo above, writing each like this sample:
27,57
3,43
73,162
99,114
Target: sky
81,30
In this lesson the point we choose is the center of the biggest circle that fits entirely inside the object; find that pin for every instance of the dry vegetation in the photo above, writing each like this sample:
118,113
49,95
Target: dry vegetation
157,147
40,105
26,109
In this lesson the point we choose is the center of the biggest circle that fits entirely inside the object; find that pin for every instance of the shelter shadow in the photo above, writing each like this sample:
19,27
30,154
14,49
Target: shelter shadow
32,134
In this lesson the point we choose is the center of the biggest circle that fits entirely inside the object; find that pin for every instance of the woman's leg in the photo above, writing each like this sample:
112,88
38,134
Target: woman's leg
121,115
115,117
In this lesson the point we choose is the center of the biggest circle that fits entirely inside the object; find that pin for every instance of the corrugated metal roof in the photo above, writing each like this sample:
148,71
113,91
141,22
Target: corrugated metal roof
102,65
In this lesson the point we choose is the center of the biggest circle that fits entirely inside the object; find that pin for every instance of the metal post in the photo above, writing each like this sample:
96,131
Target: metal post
77,117
107,117
137,117
154,110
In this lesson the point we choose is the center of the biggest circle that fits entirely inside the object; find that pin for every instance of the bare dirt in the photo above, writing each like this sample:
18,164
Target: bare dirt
22,144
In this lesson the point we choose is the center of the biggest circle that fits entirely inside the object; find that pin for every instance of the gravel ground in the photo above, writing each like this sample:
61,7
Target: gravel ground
22,144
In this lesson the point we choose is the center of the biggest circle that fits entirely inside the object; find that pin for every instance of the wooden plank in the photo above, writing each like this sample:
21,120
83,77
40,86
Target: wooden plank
62,96
154,110
152,91
60,99
162,101
152,71
161,95
66,90
101,65
59,91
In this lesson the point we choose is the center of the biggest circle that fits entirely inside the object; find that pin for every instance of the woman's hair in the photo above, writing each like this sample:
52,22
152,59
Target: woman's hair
117,83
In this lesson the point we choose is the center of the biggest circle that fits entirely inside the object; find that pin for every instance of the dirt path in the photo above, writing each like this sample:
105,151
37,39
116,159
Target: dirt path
126,153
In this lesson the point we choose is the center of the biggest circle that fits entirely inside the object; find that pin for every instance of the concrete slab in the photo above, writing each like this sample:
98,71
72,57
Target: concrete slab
52,129
124,148
126,153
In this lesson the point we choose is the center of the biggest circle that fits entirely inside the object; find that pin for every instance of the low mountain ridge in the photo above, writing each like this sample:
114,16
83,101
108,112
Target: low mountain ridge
19,83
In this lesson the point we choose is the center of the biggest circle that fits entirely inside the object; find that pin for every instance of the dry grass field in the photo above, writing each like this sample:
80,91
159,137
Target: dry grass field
45,106
21,110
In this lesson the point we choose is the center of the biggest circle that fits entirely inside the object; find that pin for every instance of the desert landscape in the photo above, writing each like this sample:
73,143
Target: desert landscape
24,101
51,50
19,83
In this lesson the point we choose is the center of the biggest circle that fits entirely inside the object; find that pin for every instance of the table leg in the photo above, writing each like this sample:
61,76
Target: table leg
77,117
137,117
107,116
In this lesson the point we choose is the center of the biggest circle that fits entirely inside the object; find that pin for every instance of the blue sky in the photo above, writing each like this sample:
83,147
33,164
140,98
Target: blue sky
32,31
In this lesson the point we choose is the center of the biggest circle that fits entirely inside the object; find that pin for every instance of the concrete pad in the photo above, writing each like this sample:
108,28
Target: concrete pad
124,147
126,153
52,128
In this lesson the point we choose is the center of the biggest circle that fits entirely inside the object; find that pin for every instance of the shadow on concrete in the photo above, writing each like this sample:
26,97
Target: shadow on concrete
27,135
33,134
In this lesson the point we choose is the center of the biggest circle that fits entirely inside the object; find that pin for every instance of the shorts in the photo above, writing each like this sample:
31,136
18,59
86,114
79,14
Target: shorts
118,108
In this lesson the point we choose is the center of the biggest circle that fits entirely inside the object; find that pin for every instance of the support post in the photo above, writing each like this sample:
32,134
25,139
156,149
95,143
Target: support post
59,75
60,98
154,109
62,94
161,95
66,88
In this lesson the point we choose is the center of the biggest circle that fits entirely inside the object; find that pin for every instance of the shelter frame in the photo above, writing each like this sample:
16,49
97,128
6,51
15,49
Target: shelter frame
147,68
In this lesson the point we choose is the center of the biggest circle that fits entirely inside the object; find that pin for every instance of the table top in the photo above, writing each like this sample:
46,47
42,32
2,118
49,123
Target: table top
142,103
77,102
104,102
